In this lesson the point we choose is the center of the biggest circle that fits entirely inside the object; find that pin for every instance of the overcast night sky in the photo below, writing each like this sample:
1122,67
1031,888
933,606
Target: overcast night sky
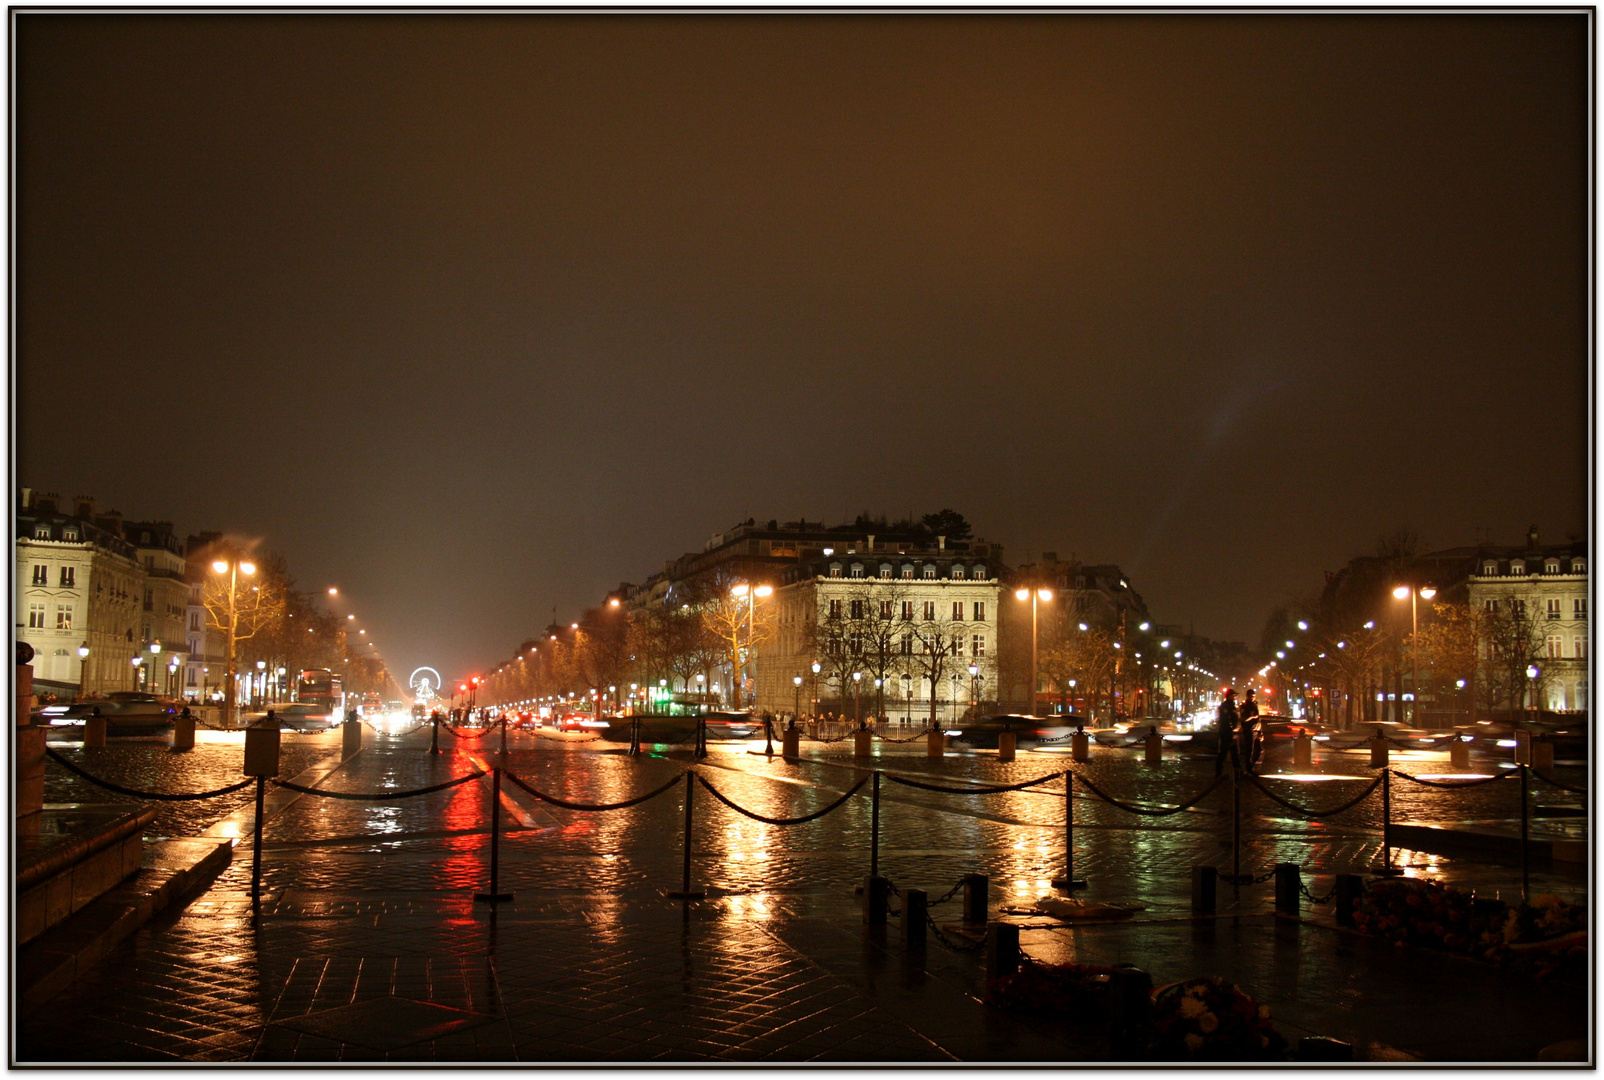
479,316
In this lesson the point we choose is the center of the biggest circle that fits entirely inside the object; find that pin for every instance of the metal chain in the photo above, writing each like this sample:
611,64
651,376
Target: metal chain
1245,879
1313,899
950,894
976,946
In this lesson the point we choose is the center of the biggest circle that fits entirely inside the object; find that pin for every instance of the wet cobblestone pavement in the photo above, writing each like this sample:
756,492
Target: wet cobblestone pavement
371,905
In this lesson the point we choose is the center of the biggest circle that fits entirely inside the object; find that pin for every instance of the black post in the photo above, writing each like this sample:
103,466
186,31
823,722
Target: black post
1002,950
434,741
503,741
1204,881
976,890
1386,868
1068,881
1525,838
256,847
1287,880
768,735
1350,891
495,894
634,736
874,829
685,892
914,907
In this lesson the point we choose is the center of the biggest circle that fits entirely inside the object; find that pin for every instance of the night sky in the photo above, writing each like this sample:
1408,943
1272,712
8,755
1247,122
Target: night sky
476,317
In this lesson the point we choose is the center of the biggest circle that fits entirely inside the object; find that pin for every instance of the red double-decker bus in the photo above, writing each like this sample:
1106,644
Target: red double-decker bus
323,688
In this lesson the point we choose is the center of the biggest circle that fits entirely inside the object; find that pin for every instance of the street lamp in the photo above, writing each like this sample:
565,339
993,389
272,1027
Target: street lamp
1033,595
1400,593
816,670
796,706
261,680
751,593
83,667
974,674
857,698
233,568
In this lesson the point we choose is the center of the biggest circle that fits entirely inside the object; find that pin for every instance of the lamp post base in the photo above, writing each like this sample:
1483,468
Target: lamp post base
1068,885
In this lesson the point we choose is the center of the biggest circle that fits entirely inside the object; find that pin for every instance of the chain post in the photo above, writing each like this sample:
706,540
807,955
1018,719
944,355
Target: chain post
495,894
1068,881
685,892
434,739
874,829
1386,869
256,845
1525,834
503,741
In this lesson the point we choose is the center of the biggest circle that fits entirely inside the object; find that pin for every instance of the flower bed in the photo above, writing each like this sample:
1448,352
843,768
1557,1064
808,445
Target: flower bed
1209,1019
1544,939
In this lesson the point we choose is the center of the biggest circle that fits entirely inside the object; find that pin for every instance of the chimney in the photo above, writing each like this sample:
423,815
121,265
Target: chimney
1531,538
46,501
85,508
941,543
870,545
112,522
27,498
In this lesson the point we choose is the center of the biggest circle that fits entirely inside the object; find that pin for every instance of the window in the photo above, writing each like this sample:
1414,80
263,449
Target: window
907,609
835,569
1579,608
885,570
907,571
1578,566
980,573
41,574
980,611
885,609
1553,607
36,616
1551,567
1080,581
41,532
957,644
1517,606
930,610
835,609
857,606
957,573
1580,650
1489,569
1490,606
855,642
69,533
63,616
957,611
1556,647
1517,567
979,641
189,674
194,620
69,577
907,644
857,570
930,571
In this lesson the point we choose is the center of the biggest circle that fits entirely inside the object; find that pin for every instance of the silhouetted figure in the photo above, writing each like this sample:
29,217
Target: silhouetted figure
1226,725
1252,731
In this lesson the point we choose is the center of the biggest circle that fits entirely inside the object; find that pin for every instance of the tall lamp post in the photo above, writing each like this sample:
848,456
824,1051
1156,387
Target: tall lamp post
751,595
1033,595
796,707
83,668
816,670
150,681
1426,592
233,568
974,675
857,698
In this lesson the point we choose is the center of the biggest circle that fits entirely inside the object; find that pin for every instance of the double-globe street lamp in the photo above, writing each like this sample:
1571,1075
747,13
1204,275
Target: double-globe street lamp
751,593
1424,592
233,568
1033,595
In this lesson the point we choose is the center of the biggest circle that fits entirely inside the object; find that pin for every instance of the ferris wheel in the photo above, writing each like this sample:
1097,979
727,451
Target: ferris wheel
424,683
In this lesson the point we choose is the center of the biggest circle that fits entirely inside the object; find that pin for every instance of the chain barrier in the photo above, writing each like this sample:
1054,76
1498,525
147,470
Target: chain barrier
1295,808
1245,879
952,892
567,804
1130,809
1451,783
853,790
915,737
362,796
1548,780
158,795
975,946
820,739
989,790
463,733
1313,899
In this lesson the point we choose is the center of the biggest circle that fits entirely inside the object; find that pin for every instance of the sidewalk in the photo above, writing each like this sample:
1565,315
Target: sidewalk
369,944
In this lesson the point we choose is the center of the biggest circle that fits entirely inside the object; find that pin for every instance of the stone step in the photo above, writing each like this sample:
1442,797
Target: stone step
170,870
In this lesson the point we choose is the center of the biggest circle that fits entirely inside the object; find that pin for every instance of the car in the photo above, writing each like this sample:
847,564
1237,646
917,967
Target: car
62,715
305,716
125,712
982,733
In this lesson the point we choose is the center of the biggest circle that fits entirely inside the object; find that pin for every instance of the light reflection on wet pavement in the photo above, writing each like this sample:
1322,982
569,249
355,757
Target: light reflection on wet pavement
371,881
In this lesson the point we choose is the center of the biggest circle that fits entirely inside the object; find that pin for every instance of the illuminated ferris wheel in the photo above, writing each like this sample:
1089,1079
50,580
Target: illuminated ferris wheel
424,684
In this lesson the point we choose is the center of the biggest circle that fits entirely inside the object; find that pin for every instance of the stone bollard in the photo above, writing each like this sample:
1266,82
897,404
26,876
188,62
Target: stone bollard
1155,747
1378,752
351,738
1002,950
1006,742
1080,746
1205,885
1350,890
184,731
976,887
1287,881
1303,750
95,732
1542,754
861,744
1130,1010
791,743
876,901
1459,754
261,751
915,905
935,743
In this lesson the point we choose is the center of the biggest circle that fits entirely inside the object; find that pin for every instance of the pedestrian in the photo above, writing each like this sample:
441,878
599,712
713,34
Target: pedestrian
1225,724
1252,727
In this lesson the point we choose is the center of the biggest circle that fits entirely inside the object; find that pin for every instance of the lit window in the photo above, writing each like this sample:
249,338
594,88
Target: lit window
957,611
907,570
957,644
885,570
63,616
1551,567
41,574
41,532
980,611
1517,567
979,645
1489,569
835,569
957,573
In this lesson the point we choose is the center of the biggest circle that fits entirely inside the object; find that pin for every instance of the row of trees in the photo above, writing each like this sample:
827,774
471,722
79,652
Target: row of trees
278,625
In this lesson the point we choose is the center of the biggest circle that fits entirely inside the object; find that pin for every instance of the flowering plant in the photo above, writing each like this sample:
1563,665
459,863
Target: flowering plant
1209,1019
1051,988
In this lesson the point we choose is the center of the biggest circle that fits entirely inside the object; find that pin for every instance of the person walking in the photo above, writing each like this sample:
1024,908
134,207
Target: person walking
1252,732
1225,724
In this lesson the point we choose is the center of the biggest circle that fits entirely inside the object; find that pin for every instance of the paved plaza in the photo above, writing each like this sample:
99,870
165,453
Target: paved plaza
369,945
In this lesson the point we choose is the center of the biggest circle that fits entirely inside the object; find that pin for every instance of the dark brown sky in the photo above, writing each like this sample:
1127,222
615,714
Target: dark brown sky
476,316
